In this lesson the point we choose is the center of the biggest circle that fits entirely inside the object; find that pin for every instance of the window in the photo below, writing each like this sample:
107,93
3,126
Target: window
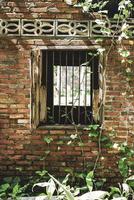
65,84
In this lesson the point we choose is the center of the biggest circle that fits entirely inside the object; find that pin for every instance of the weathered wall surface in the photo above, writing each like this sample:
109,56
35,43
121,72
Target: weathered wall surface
119,102
20,146
38,9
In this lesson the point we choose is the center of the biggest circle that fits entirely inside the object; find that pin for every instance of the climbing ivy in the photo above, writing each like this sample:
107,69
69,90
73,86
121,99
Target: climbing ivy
122,15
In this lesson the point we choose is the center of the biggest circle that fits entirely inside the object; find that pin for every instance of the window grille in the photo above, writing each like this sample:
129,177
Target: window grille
69,77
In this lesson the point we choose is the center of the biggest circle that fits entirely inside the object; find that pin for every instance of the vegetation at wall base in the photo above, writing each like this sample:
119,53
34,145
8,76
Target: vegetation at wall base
48,186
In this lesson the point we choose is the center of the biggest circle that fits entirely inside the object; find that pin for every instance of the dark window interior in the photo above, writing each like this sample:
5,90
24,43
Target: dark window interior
70,77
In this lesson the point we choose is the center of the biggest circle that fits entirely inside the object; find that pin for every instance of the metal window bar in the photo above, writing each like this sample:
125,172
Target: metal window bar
92,81
73,82
66,89
53,90
79,90
60,88
86,88
72,109
46,68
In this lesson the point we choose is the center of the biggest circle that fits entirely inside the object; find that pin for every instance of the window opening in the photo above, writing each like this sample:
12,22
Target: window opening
70,76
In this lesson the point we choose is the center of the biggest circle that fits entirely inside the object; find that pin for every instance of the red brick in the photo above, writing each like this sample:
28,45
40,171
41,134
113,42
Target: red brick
16,116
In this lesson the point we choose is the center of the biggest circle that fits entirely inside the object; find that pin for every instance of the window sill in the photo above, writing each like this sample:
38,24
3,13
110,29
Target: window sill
61,127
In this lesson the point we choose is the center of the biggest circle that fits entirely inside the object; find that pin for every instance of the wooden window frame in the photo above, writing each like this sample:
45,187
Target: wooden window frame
38,91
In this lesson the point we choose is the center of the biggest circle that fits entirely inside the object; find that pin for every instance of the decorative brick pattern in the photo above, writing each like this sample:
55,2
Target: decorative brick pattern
60,28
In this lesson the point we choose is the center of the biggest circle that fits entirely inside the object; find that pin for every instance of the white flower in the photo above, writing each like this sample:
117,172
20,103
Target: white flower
100,50
59,148
100,22
128,70
124,27
123,93
116,146
69,142
125,143
73,136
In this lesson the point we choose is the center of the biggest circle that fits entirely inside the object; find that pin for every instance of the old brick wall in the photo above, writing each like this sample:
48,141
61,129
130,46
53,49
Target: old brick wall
49,9
20,146
118,109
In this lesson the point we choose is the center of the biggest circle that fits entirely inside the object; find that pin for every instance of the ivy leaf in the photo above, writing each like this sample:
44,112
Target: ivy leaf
93,127
123,167
115,190
47,152
89,180
124,53
41,173
104,138
48,139
4,187
116,16
16,190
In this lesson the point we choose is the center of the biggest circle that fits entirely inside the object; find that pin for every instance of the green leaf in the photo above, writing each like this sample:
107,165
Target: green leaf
42,184
116,16
76,191
47,152
130,181
80,175
4,187
115,190
131,178
69,170
130,61
124,53
104,138
93,127
50,189
103,4
41,173
81,144
89,180
108,145
123,167
16,190
69,195
126,188
48,139
94,134
2,194
65,180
